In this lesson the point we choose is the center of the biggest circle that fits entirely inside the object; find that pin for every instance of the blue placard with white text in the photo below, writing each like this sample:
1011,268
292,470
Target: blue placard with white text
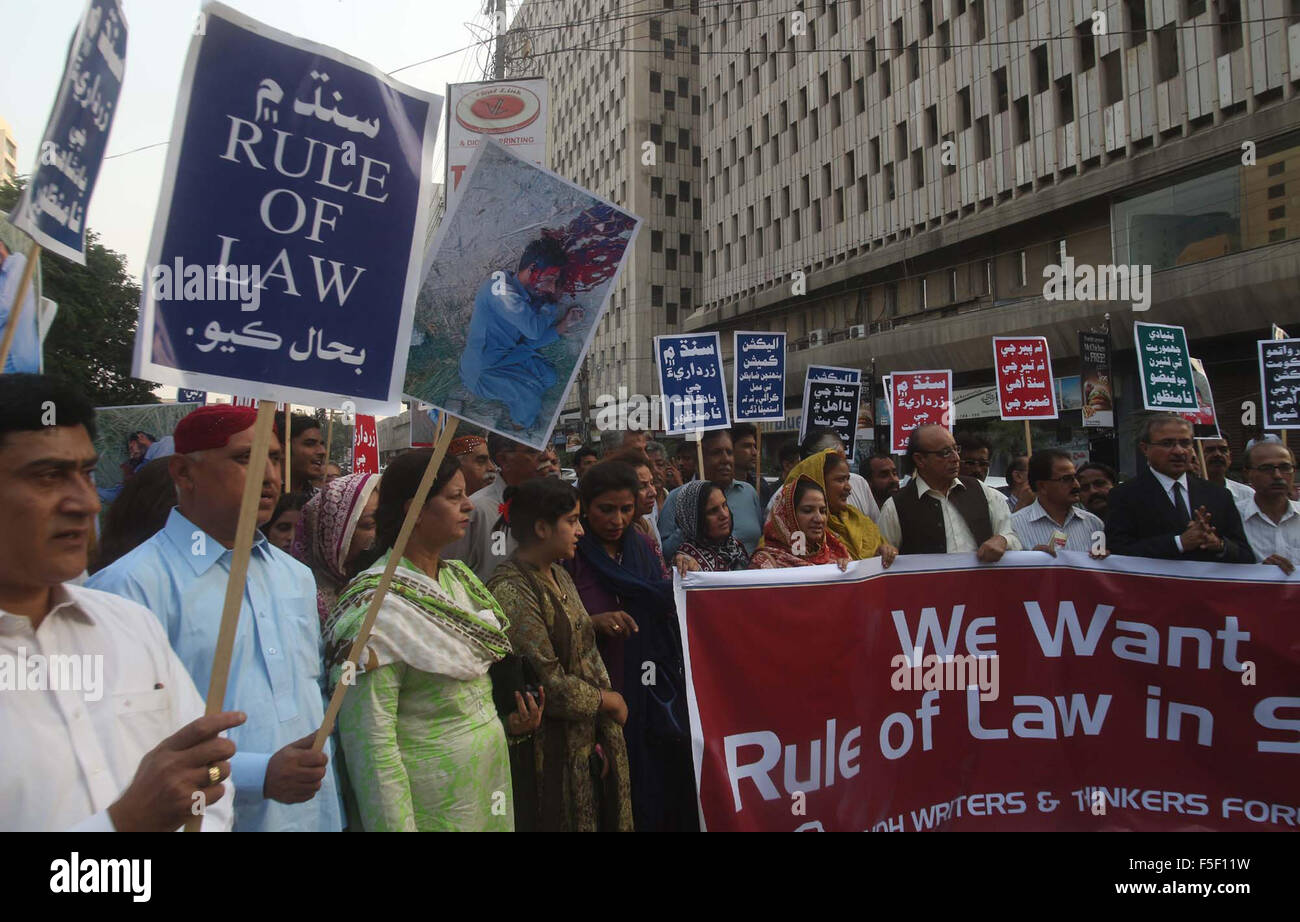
760,377
285,257
691,383
54,203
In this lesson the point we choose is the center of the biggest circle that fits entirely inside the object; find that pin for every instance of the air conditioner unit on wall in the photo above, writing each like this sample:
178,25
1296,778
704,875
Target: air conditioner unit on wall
857,331
818,338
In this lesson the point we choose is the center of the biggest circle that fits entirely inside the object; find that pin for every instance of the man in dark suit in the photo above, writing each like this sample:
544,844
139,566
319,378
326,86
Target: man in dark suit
1167,513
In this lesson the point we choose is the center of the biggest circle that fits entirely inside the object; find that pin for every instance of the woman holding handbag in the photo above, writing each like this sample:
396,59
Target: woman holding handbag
579,753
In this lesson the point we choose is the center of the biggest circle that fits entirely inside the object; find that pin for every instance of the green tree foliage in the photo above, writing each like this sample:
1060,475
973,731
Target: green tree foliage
90,342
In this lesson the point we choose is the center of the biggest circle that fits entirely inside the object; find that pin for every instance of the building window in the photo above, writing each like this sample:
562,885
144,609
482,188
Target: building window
1065,99
656,296
1137,21
656,241
1024,269
1166,48
655,81
1039,69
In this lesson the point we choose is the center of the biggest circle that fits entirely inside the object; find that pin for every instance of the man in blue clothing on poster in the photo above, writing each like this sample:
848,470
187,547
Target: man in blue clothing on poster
515,315
25,352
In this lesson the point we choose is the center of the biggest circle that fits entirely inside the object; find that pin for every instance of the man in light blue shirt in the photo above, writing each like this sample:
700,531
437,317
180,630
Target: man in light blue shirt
25,351
515,316
1055,510
275,673
742,499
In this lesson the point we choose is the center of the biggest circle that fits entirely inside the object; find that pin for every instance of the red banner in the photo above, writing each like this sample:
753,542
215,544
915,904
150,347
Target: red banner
1034,694
1024,373
918,398
365,446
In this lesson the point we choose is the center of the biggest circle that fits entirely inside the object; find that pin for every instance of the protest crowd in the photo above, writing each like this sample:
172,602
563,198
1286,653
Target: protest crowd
501,687
207,622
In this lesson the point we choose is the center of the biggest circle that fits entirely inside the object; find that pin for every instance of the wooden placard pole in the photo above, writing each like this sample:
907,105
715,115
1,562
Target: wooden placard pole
1029,440
23,284
329,441
287,448
399,548
244,533
699,454
758,457
1200,456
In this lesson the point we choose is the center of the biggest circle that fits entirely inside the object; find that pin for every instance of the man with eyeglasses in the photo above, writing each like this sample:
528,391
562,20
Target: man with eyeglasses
1270,518
1053,522
976,453
1166,513
940,512
487,542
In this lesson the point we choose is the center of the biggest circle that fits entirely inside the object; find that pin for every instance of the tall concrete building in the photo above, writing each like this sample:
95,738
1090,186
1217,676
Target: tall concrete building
624,123
8,153
922,163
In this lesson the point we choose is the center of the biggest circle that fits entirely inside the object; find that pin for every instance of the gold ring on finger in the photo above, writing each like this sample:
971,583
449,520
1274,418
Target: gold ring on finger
214,774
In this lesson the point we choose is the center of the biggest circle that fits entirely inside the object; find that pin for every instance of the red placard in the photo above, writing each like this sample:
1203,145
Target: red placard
919,398
1130,694
1024,373
365,446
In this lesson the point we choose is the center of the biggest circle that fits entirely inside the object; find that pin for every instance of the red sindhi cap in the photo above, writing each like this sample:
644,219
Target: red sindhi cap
211,427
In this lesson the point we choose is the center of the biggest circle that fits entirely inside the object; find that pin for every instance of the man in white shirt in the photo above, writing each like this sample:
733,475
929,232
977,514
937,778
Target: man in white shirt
1218,458
487,541
939,512
102,727
1270,518
1053,522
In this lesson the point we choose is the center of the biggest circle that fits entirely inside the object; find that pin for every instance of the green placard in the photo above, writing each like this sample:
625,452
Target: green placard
1164,367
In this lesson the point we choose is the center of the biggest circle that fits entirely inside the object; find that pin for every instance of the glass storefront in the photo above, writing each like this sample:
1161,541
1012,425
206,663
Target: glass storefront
1221,210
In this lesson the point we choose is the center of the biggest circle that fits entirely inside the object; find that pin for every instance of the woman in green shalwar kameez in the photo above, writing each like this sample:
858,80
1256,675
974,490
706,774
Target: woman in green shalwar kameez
425,749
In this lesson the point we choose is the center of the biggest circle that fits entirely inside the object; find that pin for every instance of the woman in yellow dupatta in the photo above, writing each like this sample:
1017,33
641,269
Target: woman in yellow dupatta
829,469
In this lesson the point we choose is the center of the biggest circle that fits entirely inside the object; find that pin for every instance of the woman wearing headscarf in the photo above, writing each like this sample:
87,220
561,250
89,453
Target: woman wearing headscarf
621,584
337,526
578,753
829,469
796,534
424,747
704,522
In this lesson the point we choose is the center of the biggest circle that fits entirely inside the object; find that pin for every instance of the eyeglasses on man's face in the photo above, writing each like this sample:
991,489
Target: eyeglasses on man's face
1272,470
1171,444
1064,479
945,453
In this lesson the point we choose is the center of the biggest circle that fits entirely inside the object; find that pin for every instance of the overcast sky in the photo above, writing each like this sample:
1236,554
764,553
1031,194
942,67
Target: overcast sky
385,33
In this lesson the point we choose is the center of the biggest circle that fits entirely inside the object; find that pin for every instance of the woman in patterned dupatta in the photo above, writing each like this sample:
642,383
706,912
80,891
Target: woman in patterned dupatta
424,747
829,469
337,526
580,758
796,534
705,525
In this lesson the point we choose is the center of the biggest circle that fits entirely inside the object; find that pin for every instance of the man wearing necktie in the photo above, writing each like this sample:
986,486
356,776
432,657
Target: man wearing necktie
1167,513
